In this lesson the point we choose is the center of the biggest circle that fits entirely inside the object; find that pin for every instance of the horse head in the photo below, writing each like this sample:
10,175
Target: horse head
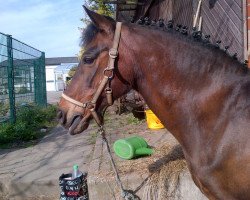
79,99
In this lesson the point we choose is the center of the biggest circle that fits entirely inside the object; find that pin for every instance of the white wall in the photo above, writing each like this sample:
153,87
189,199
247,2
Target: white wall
50,78
56,78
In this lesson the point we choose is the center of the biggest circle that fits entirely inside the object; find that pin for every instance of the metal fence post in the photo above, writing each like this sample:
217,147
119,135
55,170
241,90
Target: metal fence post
11,86
36,81
40,81
43,70
30,82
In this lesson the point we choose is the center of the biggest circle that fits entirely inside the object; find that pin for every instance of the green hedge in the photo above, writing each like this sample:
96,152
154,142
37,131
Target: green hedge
30,119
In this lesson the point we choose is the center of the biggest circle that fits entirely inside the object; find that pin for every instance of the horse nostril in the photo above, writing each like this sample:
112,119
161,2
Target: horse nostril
74,119
61,116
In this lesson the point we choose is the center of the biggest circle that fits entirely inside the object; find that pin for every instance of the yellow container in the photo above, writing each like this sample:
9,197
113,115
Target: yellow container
153,121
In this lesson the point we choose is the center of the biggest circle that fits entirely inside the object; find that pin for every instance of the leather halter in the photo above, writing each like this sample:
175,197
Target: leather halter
113,53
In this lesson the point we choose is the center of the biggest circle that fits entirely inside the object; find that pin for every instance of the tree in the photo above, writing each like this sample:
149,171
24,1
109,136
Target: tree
101,8
71,74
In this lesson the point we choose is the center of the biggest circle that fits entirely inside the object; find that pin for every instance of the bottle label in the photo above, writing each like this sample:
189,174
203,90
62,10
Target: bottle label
73,189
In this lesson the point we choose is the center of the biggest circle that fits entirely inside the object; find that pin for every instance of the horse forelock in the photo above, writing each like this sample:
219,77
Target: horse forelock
89,33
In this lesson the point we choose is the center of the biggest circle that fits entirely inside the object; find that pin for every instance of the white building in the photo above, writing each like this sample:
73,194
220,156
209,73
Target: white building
57,71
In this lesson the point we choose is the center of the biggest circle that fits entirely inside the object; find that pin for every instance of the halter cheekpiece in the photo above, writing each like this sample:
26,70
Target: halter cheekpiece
113,53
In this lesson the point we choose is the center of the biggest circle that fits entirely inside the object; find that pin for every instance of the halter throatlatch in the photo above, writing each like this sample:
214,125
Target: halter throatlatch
113,53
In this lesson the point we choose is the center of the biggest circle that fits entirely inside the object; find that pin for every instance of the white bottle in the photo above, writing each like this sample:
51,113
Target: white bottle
76,173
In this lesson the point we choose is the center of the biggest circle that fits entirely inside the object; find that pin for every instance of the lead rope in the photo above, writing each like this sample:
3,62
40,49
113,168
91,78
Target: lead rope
127,195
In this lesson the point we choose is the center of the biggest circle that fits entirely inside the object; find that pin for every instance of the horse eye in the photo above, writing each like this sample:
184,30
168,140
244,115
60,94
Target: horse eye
88,60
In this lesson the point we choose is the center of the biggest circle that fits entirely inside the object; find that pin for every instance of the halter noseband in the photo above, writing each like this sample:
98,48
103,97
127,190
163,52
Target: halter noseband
113,53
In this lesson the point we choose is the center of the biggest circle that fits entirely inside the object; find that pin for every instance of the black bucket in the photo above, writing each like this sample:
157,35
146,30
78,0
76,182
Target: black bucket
73,189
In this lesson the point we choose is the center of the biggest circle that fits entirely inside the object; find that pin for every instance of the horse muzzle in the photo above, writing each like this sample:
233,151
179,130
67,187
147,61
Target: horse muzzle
75,124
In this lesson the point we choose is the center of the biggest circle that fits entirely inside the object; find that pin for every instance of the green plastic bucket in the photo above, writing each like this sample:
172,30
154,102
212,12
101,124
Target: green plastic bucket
131,147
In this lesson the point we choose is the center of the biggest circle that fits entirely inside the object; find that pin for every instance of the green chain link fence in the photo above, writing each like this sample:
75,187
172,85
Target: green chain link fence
22,77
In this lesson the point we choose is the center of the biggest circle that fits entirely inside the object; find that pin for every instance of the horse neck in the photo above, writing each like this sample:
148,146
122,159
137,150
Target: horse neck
186,99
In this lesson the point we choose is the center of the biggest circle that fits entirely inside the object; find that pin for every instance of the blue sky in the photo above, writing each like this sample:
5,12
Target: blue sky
48,25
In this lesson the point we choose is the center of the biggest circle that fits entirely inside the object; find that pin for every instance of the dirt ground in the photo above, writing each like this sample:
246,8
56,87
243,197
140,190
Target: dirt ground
157,177
33,172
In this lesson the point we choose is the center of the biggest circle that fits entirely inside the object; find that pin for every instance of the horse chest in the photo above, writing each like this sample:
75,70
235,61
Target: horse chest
224,180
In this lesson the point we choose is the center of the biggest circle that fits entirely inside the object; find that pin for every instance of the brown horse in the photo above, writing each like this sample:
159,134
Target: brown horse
201,95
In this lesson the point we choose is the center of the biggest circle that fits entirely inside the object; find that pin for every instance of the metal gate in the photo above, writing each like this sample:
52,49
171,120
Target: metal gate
22,76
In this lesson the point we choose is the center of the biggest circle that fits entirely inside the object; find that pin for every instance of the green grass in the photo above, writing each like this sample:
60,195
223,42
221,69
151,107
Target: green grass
30,119
92,138
4,108
135,121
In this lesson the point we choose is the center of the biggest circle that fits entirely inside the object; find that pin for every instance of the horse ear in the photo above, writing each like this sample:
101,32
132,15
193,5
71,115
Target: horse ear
100,21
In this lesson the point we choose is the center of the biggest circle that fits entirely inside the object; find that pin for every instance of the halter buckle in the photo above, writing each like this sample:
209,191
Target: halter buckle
113,53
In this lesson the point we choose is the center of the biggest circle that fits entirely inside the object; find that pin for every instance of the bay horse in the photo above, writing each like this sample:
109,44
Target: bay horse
201,95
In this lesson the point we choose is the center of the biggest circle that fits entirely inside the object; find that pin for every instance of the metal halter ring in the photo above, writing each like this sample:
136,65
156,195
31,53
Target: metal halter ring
109,70
113,53
84,105
90,106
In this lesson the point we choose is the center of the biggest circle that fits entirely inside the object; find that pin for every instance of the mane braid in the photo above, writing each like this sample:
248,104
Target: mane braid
201,42
91,30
